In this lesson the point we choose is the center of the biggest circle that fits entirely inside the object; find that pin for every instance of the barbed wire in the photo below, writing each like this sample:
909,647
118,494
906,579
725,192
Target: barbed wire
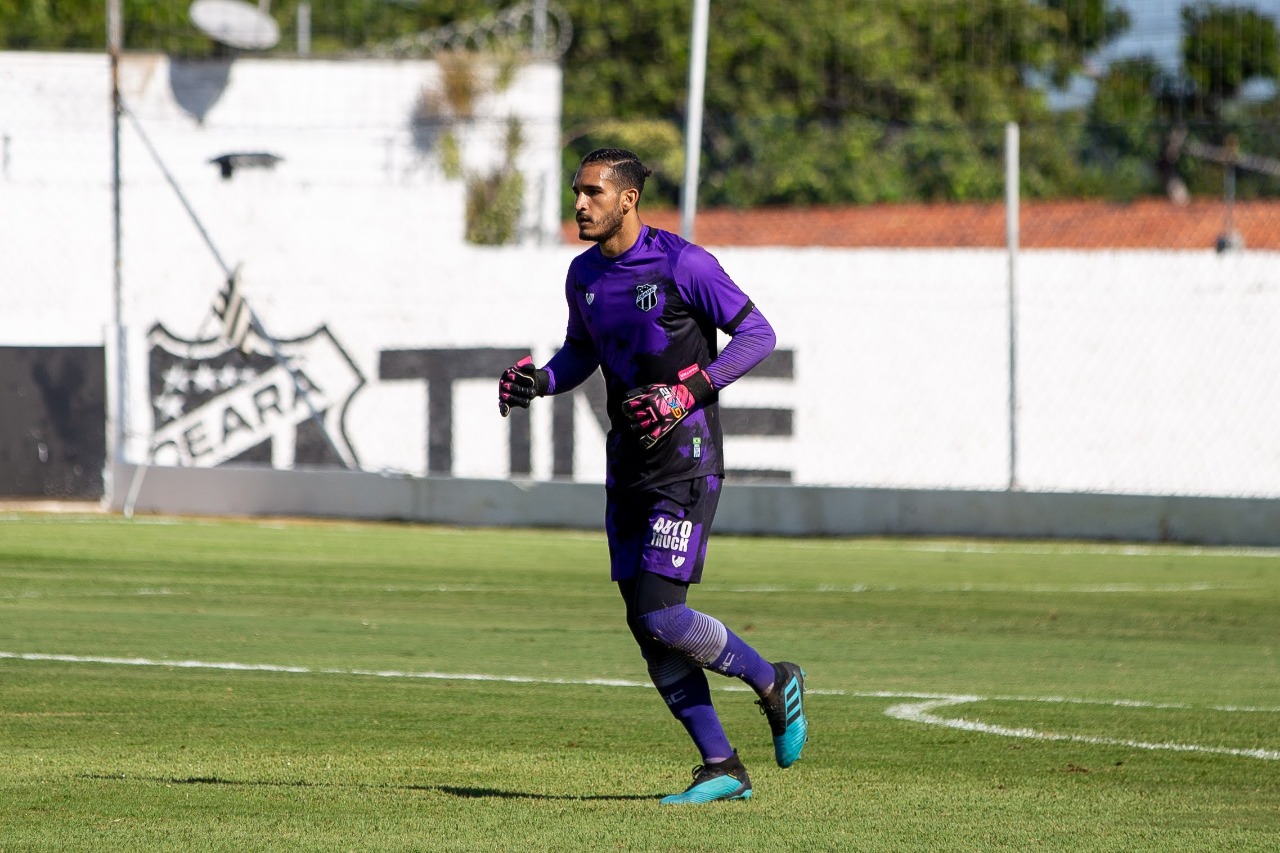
540,28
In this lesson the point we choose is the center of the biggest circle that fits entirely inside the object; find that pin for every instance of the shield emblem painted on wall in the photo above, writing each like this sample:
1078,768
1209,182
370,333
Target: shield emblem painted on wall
646,296
286,405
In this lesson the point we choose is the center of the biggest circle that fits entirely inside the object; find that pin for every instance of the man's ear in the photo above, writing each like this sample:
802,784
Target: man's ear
630,197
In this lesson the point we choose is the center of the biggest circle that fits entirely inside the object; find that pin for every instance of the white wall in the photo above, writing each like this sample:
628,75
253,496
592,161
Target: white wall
1139,372
755,510
354,195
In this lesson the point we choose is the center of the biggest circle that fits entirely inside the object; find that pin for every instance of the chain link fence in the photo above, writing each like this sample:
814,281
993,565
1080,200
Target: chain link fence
1123,340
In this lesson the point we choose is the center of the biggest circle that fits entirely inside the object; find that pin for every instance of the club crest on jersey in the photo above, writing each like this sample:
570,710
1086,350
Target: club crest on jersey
646,296
591,297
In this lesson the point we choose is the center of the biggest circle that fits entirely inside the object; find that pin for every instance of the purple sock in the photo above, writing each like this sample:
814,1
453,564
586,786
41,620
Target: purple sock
741,661
689,698
706,640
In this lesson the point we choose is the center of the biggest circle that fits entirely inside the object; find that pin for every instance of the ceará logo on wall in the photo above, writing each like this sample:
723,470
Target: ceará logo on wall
279,403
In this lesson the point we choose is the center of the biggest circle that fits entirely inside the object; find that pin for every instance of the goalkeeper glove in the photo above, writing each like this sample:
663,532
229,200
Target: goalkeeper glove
654,410
519,384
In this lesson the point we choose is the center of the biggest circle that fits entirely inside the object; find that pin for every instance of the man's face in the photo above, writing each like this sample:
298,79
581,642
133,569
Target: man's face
597,205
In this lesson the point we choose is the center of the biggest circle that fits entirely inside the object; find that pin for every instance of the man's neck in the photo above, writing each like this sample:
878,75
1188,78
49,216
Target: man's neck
624,239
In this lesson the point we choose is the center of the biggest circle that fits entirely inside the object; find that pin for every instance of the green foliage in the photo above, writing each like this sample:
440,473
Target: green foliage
786,162
1138,105
1090,23
659,142
432,669
1128,128
838,101
461,84
817,101
1225,45
40,24
493,207
495,200
449,151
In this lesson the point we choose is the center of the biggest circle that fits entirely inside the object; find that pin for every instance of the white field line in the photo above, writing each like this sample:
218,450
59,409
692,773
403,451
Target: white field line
766,589
307,670
136,593
1109,588
142,593
913,712
921,712
1066,548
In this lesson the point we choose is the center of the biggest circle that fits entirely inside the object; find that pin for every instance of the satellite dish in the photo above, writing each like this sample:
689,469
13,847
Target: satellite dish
236,23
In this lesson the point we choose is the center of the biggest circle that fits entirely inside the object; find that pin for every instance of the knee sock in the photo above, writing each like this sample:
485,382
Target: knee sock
708,642
683,686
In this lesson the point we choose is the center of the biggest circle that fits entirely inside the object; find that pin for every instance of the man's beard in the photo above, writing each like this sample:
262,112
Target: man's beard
605,227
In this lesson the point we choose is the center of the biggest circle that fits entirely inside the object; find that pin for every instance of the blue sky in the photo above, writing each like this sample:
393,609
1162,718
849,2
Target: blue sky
1155,28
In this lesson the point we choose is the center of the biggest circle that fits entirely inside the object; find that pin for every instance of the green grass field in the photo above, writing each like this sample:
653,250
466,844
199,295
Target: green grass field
235,685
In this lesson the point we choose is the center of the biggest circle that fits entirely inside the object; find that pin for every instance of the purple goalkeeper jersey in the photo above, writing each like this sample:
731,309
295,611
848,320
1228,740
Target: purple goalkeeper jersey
642,317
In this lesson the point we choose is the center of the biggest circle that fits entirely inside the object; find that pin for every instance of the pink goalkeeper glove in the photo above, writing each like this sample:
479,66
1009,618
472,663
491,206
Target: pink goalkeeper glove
654,410
519,384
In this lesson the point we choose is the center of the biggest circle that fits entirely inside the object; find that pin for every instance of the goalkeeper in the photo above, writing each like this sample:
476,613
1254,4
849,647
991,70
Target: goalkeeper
644,307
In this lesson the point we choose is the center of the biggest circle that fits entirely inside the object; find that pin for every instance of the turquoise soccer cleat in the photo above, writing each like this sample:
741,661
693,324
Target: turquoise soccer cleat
784,708
725,780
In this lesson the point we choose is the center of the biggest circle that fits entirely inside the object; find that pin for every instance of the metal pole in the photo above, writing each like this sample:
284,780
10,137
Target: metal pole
540,28
1011,171
693,123
119,398
304,29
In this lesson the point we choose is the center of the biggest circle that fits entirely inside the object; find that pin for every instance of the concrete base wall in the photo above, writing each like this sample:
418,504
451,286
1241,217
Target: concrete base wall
772,510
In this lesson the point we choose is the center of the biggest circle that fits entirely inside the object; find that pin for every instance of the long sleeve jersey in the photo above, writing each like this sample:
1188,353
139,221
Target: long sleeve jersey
642,317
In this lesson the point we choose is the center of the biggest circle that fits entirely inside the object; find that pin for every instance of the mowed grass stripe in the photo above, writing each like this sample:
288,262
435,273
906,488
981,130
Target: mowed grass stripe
918,712
1173,645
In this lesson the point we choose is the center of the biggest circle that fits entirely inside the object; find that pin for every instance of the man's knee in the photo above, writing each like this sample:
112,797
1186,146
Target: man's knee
696,634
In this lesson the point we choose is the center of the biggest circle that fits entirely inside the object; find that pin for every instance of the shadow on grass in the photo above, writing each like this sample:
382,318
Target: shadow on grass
460,791
482,793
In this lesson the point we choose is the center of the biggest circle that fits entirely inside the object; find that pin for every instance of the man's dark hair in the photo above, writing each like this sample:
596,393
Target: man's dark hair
628,171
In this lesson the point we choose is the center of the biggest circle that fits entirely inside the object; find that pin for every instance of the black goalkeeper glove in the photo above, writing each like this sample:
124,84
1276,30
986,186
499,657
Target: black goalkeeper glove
654,410
519,384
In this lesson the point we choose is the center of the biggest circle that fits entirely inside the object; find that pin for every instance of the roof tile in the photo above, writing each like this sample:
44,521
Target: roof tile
1075,224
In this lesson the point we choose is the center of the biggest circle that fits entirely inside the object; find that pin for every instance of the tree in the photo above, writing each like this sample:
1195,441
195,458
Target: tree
1091,23
1140,108
1223,46
917,91
1127,129
807,102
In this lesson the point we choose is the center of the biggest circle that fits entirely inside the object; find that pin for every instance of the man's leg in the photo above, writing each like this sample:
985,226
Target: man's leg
673,553
705,640
681,683
708,643
658,545
683,686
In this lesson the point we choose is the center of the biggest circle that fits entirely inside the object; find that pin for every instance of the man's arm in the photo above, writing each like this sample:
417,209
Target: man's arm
572,365
568,368
522,382
751,342
654,410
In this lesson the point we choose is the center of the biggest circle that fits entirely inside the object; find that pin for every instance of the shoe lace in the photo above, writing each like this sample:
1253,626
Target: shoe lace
699,772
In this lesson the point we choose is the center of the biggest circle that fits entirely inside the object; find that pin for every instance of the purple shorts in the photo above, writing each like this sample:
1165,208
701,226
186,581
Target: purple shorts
663,531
